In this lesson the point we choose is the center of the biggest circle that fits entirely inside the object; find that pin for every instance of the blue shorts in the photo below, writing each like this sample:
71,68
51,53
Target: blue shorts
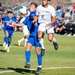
11,33
34,41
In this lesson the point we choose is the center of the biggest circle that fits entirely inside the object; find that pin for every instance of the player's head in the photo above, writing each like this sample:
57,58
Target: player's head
45,2
49,1
33,6
9,13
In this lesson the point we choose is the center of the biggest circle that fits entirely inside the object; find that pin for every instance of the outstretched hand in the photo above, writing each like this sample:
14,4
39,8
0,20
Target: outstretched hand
13,23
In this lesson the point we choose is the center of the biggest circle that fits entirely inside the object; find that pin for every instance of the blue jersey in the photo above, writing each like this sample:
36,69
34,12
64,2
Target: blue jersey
31,27
33,39
7,23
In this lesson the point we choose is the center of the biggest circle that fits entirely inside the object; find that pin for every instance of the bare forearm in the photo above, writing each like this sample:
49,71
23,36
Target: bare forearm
53,21
18,24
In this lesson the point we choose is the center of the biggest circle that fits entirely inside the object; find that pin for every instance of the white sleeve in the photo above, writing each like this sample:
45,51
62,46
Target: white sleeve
22,20
37,11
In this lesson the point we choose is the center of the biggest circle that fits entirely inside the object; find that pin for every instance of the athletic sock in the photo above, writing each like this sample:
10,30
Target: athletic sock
42,43
54,40
27,55
4,39
21,39
9,42
39,57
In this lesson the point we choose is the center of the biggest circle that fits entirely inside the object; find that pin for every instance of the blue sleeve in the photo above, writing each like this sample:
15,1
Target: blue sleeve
25,22
5,28
14,19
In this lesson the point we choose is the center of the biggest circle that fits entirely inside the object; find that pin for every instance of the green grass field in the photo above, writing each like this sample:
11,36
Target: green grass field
12,63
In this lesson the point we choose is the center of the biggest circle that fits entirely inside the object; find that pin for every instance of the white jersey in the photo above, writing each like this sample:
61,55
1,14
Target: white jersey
25,29
45,14
22,21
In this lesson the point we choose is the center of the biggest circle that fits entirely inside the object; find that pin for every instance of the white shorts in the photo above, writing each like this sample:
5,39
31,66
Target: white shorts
44,29
25,30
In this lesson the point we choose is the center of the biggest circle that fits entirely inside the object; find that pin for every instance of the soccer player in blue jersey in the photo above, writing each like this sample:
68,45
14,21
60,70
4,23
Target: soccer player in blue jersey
33,41
8,29
33,38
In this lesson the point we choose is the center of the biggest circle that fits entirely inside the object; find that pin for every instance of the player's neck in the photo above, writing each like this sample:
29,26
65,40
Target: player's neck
45,6
8,17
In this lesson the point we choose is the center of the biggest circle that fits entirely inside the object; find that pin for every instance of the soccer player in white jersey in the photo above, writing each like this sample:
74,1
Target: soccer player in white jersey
46,18
23,13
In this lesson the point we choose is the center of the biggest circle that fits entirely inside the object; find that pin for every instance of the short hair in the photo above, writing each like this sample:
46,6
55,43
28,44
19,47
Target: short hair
33,3
9,12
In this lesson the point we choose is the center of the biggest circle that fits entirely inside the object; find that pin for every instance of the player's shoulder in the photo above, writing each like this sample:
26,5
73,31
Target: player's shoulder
39,7
4,18
50,6
14,18
27,18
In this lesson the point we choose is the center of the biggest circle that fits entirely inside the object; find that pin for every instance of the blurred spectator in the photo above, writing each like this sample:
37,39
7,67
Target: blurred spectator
72,29
67,27
70,7
56,28
1,9
58,7
60,11
63,27
63,11
74,7
1,14
67,14
60,26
